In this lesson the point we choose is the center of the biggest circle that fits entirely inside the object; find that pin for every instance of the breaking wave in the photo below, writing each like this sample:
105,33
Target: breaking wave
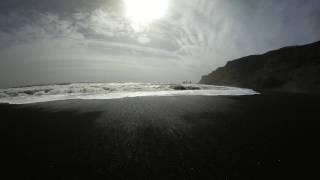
45,93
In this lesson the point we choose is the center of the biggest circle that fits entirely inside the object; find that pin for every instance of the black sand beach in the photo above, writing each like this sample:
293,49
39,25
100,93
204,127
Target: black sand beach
268,136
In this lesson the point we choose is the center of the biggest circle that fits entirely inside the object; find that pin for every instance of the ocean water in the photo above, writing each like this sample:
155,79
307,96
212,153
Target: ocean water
46,93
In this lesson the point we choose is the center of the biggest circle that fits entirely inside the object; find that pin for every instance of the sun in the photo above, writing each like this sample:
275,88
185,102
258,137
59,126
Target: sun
145,11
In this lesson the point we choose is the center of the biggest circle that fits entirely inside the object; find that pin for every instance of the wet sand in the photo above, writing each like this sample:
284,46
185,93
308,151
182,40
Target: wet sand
268,136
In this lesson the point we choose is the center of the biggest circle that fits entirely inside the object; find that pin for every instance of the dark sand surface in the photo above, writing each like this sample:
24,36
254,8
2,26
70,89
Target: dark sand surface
269,136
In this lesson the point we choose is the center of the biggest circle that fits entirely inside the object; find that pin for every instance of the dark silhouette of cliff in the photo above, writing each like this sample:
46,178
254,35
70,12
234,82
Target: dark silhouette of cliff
292,69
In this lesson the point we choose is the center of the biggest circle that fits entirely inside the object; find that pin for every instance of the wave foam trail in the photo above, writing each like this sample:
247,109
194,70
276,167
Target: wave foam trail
36,94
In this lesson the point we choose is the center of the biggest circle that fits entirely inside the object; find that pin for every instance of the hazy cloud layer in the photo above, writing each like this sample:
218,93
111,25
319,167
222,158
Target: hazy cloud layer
46,41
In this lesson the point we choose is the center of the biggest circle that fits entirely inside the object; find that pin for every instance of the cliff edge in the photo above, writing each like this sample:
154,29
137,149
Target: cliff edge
292,69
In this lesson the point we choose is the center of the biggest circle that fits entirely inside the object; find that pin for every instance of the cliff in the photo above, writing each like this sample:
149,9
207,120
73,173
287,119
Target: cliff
294,69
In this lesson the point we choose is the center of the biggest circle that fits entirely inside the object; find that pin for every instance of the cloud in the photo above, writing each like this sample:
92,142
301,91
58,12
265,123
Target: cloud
195,37
143,40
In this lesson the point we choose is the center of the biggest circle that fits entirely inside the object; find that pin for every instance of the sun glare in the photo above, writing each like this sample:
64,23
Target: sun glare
145,11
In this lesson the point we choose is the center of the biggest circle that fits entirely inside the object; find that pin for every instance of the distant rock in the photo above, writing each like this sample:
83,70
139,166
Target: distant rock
291,69
181,87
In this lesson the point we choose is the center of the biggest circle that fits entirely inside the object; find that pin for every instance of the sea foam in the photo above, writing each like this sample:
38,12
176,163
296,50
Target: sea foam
45,93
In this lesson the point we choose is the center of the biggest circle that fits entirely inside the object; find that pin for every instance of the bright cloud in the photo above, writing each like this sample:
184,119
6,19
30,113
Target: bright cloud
181,40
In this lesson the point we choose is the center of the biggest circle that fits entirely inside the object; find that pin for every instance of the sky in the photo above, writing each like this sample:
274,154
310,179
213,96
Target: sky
59,41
